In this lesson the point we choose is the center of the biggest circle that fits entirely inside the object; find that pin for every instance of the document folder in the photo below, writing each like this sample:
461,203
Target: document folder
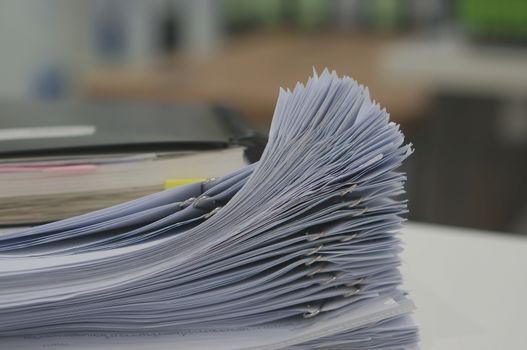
63,159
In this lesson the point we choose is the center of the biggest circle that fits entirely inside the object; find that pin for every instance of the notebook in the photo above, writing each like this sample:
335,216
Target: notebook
63,159
299,250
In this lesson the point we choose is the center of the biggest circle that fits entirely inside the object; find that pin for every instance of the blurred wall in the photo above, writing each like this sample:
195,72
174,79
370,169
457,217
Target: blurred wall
453,73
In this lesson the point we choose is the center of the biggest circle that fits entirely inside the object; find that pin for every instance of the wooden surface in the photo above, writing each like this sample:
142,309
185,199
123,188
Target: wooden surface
247,71
457,66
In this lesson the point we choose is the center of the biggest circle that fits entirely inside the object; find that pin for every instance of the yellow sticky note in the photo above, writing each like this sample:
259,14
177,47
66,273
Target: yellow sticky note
171,183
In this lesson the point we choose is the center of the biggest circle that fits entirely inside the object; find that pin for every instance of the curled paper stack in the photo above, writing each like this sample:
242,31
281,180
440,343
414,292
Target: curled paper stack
297,251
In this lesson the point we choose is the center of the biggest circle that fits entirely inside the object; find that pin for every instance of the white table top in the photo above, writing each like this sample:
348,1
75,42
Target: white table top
470,287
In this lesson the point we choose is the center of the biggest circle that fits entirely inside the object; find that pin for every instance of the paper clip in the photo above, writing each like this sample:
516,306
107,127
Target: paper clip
316,270
354,283
352,292
329,280
348,190
355,287
347,239
187,202
204,202
214,211
313,260
355,203
312,311
315,250
314,236
361,212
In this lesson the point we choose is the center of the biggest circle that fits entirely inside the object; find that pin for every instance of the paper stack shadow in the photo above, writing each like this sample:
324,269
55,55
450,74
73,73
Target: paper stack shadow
297,251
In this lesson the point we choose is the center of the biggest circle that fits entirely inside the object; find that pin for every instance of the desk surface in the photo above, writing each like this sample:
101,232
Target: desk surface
469,287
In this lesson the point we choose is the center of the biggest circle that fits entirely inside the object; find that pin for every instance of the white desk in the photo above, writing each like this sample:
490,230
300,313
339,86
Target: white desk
470,287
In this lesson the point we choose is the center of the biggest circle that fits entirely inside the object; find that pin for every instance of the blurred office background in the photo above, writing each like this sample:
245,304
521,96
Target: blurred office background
452,73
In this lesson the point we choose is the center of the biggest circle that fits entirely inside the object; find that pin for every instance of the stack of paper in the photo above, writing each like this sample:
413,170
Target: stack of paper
298,251
63,159
44,189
